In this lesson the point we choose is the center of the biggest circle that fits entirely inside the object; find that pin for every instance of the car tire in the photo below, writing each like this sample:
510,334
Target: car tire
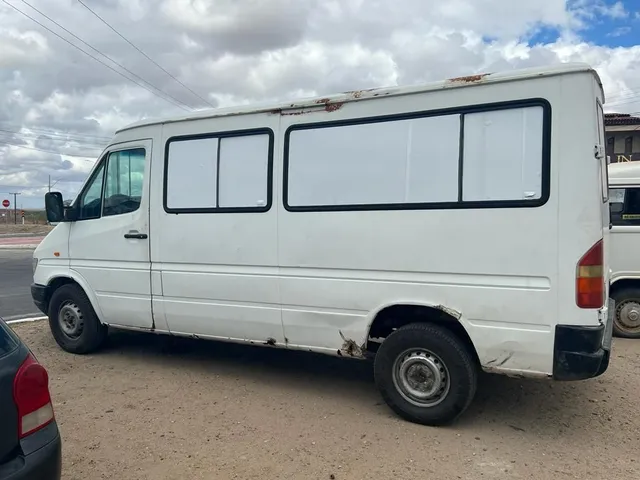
426,374
73,321
626,318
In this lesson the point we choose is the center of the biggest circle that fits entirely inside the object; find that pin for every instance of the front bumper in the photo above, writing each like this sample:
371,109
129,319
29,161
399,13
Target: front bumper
582,352
40,295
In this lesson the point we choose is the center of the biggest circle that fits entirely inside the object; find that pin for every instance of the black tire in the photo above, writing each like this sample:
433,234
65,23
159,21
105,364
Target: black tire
451,353
623,298
92,333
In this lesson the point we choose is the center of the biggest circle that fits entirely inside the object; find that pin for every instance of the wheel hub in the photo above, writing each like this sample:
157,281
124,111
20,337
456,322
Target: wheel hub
628,315
71,320
421,377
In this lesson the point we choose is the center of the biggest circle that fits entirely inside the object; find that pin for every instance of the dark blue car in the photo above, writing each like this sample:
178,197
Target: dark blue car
30,445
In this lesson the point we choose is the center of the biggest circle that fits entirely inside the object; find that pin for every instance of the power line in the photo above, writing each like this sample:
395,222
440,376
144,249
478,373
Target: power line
51,131
144,54
35,137
84,157
93,57
104,55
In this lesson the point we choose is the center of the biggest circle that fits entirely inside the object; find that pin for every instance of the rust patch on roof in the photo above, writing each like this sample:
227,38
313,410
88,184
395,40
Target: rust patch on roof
469,78
328,106
299,112
359,93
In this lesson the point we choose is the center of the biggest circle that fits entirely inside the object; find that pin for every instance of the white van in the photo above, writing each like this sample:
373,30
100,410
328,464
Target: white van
624,200
439,229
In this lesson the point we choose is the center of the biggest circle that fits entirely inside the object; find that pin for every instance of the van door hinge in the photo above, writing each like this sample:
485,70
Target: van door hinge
598,151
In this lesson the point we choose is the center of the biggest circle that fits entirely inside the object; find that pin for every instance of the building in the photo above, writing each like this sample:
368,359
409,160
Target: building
623,137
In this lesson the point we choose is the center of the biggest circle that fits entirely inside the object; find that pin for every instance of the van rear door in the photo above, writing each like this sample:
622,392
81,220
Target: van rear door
603,159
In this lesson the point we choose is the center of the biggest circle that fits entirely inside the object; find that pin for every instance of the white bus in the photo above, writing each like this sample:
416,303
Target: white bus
624,199
439,230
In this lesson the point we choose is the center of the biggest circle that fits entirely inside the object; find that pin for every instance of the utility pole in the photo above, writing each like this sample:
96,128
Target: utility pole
54,183
15,206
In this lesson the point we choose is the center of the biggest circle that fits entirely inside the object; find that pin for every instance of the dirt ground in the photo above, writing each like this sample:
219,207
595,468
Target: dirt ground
12,228
148,407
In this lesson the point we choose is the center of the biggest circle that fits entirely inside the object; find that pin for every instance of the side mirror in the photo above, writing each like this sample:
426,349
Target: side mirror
54,207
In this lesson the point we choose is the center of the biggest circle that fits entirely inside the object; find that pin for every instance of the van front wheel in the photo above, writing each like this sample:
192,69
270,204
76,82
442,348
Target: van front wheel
425,374
73,322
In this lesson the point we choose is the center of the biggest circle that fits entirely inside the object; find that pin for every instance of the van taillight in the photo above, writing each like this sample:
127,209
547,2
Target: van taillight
590,278
31,395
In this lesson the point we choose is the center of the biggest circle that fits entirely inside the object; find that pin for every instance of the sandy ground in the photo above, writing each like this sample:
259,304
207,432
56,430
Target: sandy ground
148,407
30,229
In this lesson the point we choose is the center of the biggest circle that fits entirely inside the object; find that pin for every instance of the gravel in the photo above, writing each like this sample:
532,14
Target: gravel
152,407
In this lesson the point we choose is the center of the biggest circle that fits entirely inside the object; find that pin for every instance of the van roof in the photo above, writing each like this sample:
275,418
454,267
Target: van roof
334,102
624,173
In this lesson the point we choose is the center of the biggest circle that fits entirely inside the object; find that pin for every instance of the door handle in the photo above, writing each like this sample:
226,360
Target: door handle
136,235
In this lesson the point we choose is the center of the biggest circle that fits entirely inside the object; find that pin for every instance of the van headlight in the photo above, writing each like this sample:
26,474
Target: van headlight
34,264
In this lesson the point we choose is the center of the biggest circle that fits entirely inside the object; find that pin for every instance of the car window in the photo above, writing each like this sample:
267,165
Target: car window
8,341
90,203
125,178
624,204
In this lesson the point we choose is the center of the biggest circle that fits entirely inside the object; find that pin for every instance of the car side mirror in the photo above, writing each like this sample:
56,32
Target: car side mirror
54,207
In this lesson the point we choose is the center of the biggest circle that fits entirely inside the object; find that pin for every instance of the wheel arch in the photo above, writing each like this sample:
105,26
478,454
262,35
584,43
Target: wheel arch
621,282
392,316
55,281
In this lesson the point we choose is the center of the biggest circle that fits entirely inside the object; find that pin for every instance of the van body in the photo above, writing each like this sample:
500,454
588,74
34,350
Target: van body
624,199
438,229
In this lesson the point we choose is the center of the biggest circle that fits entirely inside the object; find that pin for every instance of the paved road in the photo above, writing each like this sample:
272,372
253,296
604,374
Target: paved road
15,277
20,240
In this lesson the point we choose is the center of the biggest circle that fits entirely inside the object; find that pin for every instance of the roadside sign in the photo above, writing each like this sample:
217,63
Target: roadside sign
6,203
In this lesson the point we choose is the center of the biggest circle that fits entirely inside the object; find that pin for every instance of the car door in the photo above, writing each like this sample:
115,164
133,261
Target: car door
109,243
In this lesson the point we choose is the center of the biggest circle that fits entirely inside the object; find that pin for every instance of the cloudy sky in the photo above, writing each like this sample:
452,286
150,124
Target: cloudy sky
58,106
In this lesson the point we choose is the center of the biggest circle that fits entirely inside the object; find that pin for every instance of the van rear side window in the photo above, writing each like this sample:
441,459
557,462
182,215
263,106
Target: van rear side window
219,173
481,157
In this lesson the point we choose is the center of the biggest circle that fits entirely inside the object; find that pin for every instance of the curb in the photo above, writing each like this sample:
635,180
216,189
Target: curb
25,320
25,246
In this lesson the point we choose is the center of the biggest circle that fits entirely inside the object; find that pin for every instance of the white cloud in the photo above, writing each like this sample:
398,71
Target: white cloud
245,51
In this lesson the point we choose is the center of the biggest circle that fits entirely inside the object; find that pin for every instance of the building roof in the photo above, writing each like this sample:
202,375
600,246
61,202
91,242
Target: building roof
611,119
334,102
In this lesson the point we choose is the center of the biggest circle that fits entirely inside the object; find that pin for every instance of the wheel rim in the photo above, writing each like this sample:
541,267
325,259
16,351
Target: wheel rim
628,316
70,319
421,377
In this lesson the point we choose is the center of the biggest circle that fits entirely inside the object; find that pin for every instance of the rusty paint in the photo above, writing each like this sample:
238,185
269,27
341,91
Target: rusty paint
271,342
359,93
328,106
469,78
276,111
350,348
450,311
301,112
332,107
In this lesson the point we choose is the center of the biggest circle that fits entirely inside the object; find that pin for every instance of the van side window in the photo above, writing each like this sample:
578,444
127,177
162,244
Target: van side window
125,178
503,155
624,204
219,173
90,202
434,161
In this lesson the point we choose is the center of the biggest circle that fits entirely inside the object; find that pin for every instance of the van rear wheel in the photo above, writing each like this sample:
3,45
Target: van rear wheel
426,374
626,320
73,322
